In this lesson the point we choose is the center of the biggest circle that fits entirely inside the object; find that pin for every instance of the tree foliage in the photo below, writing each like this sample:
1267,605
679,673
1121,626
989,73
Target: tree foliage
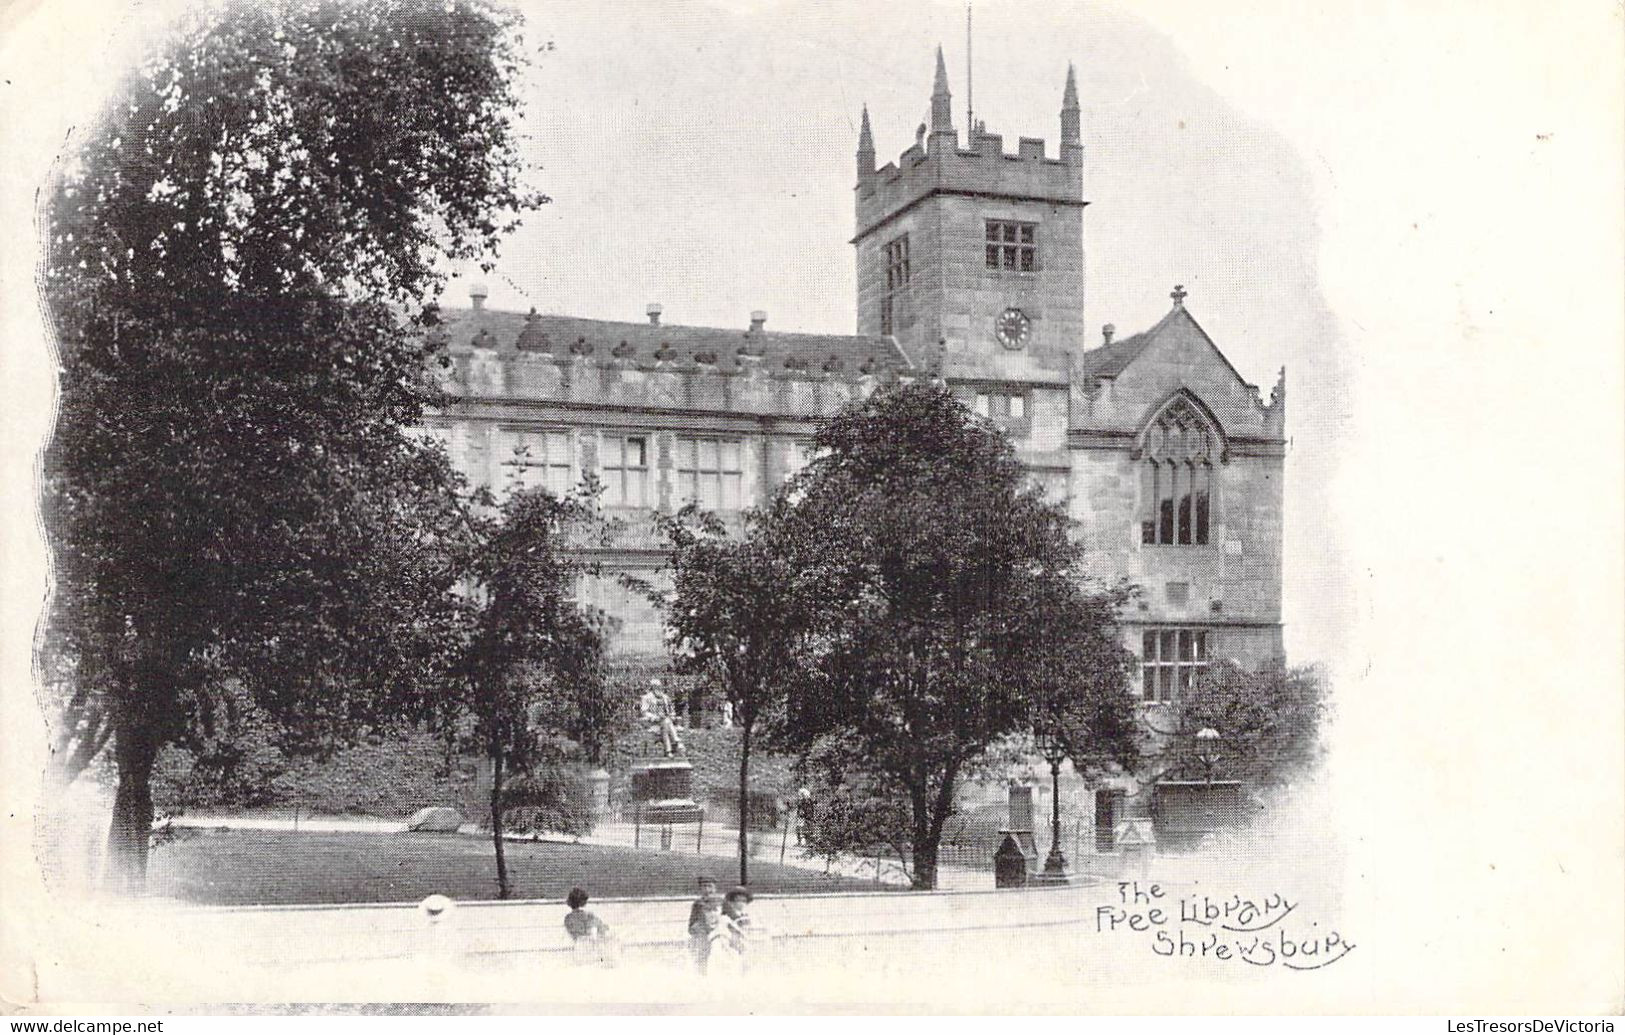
849,810
1269,723
238,255
533,662
738,613
937,574
1079,673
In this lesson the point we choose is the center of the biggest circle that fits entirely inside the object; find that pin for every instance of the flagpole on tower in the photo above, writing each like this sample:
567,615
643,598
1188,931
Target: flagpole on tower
970,107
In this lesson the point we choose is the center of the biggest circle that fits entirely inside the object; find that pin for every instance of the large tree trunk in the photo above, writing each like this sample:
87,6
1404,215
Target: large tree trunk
744,801
504,889
135,748
925,865
922,848
930,816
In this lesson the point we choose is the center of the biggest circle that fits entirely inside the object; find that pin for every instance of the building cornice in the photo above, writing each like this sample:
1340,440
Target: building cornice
515,409
955,192
1143,620
1126,442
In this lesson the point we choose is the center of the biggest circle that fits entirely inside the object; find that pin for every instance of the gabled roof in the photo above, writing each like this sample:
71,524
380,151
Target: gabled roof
640,342
1111,360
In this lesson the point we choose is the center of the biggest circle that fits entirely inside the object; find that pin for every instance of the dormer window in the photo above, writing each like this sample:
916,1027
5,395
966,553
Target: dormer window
1011,245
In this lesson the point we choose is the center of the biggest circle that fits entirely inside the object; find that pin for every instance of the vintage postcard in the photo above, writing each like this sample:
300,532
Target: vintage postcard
800,507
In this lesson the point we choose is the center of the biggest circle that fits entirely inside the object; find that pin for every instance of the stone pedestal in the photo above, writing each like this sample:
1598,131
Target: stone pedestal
1054,871
1021,820
663,791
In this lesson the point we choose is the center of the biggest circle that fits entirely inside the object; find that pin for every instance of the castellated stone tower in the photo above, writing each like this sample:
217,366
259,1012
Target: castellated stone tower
970,257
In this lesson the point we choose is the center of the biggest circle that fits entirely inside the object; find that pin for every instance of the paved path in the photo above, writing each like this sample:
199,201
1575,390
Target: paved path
325,824
926,948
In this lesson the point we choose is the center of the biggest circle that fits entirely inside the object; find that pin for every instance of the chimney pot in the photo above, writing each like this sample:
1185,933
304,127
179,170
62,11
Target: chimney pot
1107,332
654,310
758,317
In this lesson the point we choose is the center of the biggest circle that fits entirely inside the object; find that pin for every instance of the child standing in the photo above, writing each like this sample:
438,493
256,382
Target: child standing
704,917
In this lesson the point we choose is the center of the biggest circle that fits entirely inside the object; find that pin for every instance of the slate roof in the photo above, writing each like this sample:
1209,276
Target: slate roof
1111,360
639,343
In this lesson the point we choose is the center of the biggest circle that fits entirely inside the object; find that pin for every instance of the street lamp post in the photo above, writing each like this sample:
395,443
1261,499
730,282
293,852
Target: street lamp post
1055,869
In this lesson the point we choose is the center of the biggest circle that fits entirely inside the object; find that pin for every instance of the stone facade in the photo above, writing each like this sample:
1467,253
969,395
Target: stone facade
1169,461
1223,578
653,412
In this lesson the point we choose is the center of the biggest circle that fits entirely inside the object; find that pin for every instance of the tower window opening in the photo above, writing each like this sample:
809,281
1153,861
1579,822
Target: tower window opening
897,276
1011,245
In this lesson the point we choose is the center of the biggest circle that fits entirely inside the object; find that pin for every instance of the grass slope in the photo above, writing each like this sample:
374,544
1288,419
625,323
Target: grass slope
265,867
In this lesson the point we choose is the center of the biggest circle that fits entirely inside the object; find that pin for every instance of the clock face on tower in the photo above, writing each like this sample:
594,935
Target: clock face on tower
1012,328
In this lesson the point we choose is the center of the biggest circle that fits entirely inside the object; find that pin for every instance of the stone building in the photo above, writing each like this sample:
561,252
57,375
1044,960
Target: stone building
970,269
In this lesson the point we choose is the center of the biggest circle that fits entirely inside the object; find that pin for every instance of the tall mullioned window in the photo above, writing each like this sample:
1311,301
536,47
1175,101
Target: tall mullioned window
624,469
1170,662
1176,478
709,472
537,458
897,275
1011,245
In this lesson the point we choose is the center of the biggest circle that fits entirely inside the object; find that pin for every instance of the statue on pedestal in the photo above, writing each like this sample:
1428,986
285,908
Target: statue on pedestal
658,716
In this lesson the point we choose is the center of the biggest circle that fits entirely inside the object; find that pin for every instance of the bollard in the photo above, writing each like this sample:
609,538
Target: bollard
435,909
1010,863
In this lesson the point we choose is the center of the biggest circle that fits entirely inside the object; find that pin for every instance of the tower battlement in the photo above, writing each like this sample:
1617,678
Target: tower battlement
936,164
987,170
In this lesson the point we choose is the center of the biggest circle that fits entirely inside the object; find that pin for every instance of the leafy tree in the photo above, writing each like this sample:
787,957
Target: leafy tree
533,658
1080,674
1269,723
849,810
238,253
933,563
737,613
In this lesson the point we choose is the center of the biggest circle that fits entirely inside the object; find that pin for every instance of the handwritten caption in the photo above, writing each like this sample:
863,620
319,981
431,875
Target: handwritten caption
1201,926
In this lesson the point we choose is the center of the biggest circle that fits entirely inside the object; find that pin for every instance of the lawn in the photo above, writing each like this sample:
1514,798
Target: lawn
274,867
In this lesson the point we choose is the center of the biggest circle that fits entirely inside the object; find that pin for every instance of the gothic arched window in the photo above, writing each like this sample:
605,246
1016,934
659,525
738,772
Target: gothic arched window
1176,476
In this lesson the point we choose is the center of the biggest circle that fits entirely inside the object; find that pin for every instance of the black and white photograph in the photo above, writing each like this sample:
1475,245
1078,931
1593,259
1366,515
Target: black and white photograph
726,506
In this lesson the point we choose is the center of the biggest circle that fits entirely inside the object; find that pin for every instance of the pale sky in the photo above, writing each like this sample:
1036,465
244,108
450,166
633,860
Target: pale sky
701,156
